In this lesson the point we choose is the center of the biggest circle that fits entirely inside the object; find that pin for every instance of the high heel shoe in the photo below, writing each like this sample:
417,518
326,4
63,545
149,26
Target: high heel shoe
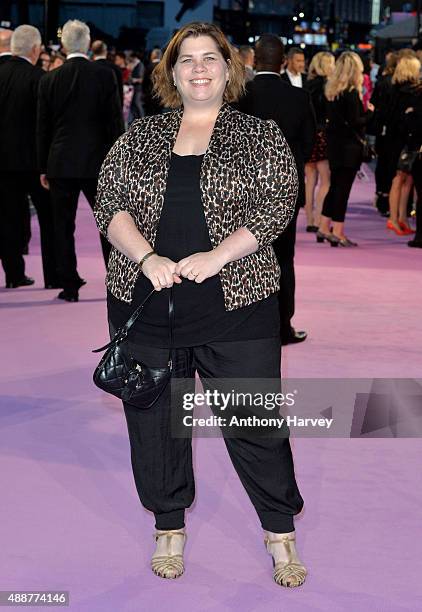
168,566
320,237
289,573
406,228
346,242
391,226
333,240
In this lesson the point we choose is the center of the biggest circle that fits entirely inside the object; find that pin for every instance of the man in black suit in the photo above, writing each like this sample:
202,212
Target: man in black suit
294,73
5,38
268,97
79,119
99,54
19,175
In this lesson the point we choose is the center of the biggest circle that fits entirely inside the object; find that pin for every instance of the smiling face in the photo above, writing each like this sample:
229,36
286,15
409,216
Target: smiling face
200,72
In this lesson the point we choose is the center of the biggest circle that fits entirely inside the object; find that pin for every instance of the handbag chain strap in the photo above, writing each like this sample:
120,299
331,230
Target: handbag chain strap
123,331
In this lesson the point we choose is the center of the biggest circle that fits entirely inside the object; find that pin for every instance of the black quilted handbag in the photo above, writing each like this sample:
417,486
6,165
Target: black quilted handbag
131,380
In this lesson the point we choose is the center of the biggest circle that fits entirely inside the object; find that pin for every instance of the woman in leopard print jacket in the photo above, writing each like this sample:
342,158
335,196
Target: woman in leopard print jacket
191,201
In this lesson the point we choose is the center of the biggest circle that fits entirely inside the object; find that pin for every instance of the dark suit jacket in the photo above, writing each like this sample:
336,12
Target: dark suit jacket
116,71
269,97
285,77
18,108
79,119
4,58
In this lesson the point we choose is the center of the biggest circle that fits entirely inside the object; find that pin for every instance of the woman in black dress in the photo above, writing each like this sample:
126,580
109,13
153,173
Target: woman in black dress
346,121
413,121
406,77
317,169
191,201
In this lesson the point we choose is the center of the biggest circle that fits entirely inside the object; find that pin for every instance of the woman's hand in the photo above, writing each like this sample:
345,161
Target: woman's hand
161,271
370,107
200,266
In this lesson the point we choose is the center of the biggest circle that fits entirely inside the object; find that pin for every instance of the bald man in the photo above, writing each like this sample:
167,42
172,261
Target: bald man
5,38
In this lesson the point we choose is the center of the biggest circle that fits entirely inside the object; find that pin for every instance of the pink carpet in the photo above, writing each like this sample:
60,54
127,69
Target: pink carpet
70,516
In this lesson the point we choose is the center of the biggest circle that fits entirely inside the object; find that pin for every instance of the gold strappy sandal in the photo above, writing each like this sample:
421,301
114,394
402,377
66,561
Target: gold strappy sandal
168,566
290,573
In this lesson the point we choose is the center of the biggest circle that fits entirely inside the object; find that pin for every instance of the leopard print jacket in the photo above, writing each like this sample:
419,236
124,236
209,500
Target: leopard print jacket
248,179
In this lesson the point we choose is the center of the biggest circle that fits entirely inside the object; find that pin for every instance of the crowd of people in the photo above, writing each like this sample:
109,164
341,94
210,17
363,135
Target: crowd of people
328,114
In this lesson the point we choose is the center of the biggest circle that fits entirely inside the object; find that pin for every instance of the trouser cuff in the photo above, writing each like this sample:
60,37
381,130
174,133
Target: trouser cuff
170,520
276,522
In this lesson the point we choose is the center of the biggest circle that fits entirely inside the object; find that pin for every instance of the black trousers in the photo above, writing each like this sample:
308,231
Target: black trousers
335,203
284,247
383,175
162,463
65,194
14,190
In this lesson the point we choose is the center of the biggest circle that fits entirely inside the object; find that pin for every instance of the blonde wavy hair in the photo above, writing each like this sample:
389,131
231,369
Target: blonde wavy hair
322,64
347,75
408,70
162,76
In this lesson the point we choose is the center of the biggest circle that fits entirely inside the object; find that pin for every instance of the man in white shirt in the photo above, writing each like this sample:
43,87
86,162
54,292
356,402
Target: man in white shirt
294,73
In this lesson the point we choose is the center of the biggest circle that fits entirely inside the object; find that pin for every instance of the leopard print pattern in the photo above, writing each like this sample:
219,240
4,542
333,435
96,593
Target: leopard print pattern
248,179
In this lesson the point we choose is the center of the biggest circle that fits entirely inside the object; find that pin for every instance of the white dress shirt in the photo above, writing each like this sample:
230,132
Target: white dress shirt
76,55
295,79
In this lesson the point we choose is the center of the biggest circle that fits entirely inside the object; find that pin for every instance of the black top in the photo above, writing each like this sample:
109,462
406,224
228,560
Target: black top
200,315
345,129
316,87
402,127
381,99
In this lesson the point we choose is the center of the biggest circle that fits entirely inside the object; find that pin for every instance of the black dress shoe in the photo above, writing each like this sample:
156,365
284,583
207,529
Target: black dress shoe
68,296
294,337
24,282
416,244
312,228
81,283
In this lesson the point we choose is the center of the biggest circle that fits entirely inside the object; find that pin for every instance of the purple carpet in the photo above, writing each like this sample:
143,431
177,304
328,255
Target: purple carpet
70,515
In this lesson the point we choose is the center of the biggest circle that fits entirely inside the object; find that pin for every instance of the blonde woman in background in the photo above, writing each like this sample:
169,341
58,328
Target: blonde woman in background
317,170
405,80
346,121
